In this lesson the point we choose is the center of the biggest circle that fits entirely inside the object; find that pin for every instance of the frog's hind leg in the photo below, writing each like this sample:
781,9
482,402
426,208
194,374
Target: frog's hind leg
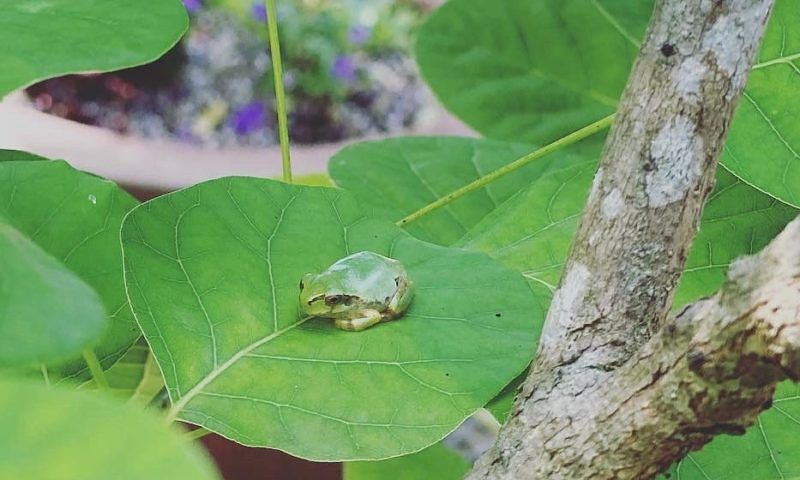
361,323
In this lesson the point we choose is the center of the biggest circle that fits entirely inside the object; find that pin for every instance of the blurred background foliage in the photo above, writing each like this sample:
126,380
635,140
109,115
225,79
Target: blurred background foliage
347,63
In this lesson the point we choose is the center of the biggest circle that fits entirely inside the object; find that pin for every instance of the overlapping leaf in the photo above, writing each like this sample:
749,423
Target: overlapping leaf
46,312
398,176
212,274
531,71
53,434
768,450
47,38
135,376
534,71
75,217
763,146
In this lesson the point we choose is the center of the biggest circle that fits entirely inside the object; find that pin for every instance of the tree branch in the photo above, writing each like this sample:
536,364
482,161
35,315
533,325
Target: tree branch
642,213
710,370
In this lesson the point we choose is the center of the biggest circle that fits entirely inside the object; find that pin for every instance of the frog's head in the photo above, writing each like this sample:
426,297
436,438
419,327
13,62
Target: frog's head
318,299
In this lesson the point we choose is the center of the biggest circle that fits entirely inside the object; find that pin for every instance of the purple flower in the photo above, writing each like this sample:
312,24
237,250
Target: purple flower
193,6
259,12
249,118
184,134
344,68
359,34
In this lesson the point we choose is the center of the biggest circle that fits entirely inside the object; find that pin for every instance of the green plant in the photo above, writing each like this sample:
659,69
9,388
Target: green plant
210,272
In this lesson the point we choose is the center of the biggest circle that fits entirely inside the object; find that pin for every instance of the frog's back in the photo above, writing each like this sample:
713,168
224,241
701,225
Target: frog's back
372,275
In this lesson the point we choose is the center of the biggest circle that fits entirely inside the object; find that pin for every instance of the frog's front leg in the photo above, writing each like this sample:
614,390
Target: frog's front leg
370,318
399,303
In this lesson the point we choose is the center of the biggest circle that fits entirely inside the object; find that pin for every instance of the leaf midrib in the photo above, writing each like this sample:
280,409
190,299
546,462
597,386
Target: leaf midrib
216,372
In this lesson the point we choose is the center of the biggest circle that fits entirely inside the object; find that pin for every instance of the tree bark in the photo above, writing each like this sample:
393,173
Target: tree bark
642,213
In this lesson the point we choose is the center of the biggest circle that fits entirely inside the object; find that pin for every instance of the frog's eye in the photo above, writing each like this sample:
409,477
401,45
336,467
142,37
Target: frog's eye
332,300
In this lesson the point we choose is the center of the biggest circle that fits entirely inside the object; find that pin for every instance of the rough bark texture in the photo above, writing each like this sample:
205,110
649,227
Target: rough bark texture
642,213
710,370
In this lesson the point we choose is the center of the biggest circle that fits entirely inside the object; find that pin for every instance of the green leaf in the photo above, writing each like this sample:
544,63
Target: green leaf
763,146
133,376
767,451
150,384
532,231
53,434
737,220
47,38
436,462
212,273
398,176
535,71
532,71
75,217
46,312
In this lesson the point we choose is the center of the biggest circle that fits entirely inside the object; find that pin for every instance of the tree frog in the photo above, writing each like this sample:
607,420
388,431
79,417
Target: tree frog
357,291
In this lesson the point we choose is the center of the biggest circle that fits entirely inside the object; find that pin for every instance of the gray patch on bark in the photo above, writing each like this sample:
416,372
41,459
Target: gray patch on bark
674,153
612,204
689,76
571,292
598,179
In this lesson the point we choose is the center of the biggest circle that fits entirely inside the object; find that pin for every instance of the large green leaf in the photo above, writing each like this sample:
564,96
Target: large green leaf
398,176
763,146
47,38
533,71
75,217
435,462
46,312
55,434
212,274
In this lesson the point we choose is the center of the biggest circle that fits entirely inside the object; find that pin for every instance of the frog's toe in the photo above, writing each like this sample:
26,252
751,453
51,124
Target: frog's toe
358,324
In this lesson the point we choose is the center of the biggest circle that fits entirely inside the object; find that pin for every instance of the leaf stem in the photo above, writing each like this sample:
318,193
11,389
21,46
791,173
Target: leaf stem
562,142
45,374
199,432
280,95
98,374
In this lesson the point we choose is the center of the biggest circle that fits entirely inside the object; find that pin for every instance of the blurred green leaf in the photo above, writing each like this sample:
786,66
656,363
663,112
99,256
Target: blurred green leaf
435,462
46,312
47,38
55,434
75,217
212,272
